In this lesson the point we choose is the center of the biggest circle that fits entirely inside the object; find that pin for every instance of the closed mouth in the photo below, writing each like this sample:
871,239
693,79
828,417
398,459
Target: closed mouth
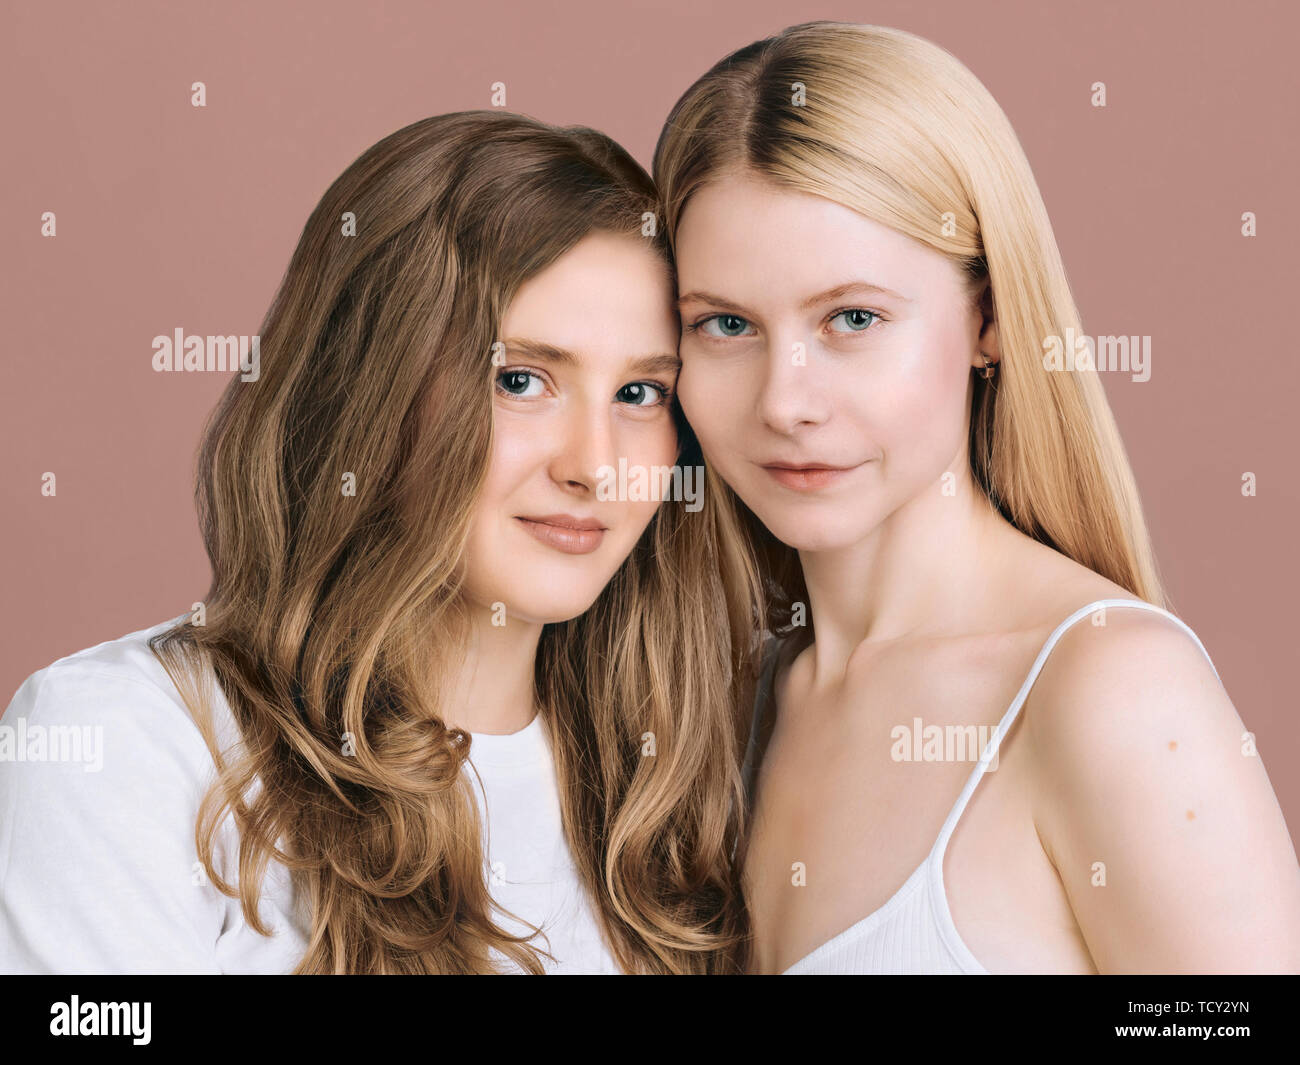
806,476
565,521
803,467
565,533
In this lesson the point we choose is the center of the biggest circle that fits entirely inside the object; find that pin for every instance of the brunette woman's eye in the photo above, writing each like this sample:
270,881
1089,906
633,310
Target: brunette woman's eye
520,383
643,394
728,325
856,319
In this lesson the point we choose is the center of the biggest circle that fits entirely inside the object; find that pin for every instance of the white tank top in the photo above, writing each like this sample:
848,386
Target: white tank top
914,932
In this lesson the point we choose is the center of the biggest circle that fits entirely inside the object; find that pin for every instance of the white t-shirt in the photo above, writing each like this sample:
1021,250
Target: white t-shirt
101,774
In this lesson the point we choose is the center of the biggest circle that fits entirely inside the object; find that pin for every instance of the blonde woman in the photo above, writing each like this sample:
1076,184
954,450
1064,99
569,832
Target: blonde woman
469,713
948,536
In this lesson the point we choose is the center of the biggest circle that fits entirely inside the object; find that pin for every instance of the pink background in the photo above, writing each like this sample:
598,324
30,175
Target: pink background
173,216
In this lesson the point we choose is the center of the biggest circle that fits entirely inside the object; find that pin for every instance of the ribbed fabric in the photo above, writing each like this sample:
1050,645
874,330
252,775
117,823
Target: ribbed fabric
913,933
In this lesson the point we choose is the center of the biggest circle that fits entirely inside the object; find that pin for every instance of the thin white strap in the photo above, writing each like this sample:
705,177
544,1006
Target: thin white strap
1008,719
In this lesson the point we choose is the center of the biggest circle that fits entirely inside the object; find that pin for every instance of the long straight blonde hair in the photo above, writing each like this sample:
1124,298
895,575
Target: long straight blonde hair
333,621
897,129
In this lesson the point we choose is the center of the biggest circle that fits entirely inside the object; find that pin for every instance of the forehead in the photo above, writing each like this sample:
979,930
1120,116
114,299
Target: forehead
607,291
745,233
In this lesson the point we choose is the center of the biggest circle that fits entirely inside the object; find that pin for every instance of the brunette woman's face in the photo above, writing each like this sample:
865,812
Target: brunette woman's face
825,358
586,379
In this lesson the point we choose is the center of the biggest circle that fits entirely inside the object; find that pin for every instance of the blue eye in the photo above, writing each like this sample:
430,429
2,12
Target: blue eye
518,382
638,392
856,319
730,325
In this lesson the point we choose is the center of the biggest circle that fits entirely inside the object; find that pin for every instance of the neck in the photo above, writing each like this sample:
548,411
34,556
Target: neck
924,571
491,684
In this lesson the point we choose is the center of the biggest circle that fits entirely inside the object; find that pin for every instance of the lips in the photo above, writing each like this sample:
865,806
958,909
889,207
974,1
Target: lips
564,532
806,476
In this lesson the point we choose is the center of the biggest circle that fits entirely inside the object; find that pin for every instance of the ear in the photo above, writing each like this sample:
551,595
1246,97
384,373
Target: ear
987,345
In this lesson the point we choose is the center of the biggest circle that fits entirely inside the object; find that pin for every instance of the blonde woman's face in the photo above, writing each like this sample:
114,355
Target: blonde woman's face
586,379
825,359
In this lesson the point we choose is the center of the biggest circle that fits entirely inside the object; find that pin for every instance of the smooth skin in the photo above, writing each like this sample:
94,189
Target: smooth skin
589,374
928,604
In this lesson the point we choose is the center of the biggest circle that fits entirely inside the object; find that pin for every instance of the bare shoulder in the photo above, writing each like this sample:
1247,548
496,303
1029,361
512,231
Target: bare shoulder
1126,704
1121,669
1149,785
1116,660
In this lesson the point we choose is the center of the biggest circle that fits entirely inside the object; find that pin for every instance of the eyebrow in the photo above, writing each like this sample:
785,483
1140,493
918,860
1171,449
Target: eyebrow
830,294
660,362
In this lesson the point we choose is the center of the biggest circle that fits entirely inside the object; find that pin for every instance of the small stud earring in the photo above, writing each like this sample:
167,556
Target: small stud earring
989,368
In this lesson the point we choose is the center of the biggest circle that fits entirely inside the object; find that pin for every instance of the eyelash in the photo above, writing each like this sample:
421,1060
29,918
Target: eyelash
876,316
665,393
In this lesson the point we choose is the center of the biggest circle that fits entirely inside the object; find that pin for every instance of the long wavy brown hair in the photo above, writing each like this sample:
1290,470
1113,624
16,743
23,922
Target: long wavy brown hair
333,616
896,128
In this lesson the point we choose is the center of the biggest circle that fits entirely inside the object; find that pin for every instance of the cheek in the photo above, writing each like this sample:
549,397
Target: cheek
924,424
520,447
517,446
646,446
712,403
636,516
515,452
649,442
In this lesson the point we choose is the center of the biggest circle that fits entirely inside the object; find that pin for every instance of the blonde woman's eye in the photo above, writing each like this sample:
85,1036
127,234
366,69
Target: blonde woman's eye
722,325
643,394
520,383
856,319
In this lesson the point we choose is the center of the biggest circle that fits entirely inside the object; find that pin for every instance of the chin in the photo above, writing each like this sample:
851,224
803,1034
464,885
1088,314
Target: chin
563,597
548,613
806,531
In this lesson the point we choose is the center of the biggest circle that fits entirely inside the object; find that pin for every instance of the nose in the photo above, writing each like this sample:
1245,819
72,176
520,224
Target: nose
585,444
791,393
